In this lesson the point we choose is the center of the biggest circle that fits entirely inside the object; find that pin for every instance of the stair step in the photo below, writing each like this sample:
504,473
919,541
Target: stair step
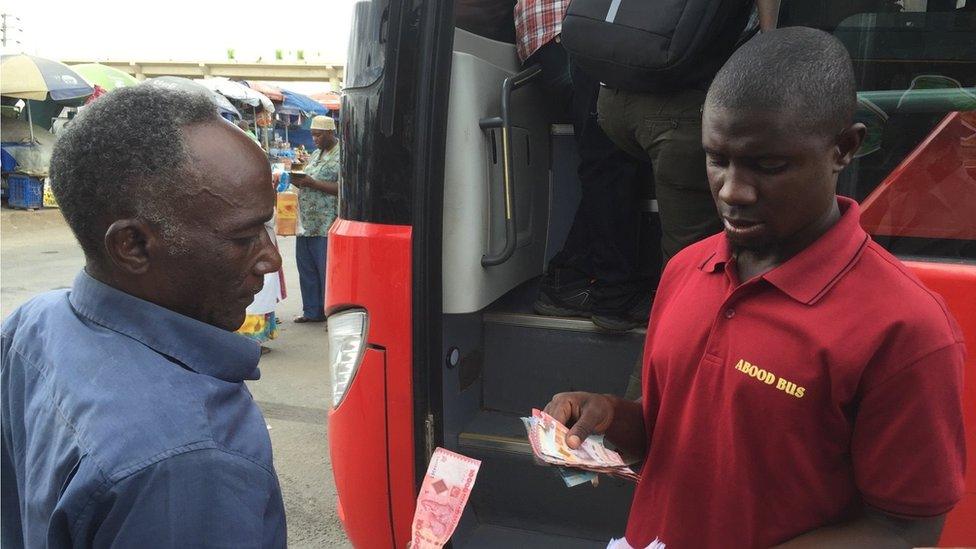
489,536
514,492
571,324
496,431
529,358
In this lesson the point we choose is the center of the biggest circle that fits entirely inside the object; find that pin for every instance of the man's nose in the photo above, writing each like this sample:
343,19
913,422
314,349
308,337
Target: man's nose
270,260
737,189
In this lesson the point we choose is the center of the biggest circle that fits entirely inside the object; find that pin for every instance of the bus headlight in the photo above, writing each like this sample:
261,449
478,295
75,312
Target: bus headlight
347,344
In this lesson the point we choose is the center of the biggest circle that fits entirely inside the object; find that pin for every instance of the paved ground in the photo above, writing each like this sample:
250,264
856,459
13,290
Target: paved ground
38,253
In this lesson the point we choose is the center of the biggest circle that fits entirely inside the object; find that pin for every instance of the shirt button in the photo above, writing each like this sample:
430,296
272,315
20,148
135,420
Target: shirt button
729,313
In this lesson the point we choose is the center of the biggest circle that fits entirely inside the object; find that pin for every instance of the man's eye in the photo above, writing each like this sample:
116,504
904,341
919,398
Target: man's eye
717,162
771,167
247,239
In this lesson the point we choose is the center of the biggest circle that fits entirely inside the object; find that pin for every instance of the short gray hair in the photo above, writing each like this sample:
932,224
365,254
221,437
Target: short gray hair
125,156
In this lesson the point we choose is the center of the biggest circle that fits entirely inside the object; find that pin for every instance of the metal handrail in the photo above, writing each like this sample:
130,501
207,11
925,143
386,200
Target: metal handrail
504,122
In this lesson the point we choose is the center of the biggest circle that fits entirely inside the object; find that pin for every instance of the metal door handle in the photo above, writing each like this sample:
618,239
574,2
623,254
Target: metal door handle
504,122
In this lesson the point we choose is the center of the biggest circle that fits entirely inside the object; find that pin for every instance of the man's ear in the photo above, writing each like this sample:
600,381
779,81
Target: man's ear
128,243
848,142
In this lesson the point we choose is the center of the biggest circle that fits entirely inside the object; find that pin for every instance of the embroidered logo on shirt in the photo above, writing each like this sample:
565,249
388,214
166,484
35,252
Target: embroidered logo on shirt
769,378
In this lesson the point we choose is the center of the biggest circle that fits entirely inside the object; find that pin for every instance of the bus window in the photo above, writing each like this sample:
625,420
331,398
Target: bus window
364,65
915,61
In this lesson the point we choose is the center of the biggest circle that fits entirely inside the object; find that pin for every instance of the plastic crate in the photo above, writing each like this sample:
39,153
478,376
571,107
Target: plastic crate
25,192
49,200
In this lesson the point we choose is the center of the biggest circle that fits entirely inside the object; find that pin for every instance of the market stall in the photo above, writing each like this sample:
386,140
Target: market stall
32,86
245,97
329,100
226,109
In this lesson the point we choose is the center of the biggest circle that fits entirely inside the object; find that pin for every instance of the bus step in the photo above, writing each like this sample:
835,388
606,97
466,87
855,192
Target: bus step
515,495
496,432
529,358
488,536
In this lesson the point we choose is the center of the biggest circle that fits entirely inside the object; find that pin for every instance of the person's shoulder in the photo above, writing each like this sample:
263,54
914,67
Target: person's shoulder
903,299
38,305
199,497
207,460
48,330
45,311
124,437
127,403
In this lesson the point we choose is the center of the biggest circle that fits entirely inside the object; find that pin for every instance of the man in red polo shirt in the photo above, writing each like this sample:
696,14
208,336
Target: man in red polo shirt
801,387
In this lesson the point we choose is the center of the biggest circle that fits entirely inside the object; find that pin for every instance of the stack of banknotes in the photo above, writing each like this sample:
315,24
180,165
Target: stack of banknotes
548,439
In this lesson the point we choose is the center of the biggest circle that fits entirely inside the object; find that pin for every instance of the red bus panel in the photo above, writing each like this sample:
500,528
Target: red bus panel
359,456
371,432
957,285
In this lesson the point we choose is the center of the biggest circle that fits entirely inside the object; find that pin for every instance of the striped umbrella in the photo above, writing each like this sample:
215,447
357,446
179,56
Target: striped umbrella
28,77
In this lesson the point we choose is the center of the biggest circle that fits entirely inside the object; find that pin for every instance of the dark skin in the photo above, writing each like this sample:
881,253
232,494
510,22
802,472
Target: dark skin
221,220
774,187
324,141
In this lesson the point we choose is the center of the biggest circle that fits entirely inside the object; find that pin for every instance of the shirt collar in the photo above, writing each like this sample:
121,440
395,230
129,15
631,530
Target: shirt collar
809,275
203,348
319,153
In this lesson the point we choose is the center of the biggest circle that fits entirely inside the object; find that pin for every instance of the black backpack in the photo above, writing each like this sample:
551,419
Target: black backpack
653,45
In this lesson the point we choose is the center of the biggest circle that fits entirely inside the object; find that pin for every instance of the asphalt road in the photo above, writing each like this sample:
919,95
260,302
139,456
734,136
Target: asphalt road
38,253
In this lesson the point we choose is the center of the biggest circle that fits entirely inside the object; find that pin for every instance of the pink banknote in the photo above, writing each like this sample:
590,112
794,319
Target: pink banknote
442,498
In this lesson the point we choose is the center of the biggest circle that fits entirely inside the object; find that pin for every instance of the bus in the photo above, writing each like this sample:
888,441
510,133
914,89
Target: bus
456,188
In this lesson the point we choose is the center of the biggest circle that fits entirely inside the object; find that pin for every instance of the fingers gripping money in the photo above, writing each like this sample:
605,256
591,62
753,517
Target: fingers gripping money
550,443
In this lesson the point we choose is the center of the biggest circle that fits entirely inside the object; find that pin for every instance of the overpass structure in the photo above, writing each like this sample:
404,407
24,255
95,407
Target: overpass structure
271,70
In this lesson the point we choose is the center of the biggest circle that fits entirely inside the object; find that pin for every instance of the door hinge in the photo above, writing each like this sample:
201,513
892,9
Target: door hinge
429,434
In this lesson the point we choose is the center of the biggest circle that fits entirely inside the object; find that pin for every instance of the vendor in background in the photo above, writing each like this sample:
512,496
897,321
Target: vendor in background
317,191
246,128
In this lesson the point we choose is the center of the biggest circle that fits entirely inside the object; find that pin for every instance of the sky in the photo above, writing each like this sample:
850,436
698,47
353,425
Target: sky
181,30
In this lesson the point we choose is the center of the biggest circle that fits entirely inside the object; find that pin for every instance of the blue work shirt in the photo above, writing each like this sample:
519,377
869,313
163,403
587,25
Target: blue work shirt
129,425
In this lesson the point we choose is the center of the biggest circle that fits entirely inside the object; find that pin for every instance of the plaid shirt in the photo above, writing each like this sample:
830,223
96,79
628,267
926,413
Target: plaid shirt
536,23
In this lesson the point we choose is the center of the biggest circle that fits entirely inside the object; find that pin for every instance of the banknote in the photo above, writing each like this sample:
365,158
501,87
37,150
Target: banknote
575,477
622,544
591,452
547,437
443,495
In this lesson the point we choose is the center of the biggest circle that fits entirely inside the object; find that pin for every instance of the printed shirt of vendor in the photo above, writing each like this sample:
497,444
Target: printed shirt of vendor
317,209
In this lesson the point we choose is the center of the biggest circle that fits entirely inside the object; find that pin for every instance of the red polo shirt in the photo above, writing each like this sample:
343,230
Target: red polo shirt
779,405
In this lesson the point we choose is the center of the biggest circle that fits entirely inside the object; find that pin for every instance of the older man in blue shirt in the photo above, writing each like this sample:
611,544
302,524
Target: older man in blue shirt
126,421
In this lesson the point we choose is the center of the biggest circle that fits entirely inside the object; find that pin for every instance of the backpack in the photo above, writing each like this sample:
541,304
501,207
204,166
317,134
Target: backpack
653,45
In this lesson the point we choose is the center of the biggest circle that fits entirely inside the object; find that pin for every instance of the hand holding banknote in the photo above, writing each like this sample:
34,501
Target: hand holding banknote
548,439
584,413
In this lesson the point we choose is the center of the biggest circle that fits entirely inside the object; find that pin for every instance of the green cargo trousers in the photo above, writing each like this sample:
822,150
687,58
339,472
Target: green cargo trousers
666,129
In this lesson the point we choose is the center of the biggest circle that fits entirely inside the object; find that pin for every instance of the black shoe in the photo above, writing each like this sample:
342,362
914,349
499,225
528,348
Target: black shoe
565,292
621,308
